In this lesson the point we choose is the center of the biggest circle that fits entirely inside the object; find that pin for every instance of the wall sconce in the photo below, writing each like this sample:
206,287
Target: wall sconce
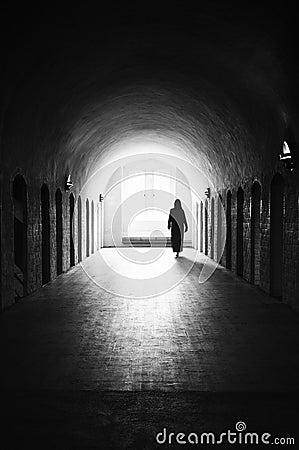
101,198
208,192
68,183
286,157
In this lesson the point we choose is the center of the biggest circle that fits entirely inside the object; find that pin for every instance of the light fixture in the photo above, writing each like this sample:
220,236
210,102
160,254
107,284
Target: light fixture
101,198
286,156
208,192
68,182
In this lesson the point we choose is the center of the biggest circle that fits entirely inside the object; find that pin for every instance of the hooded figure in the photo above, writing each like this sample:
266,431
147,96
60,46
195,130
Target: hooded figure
176,222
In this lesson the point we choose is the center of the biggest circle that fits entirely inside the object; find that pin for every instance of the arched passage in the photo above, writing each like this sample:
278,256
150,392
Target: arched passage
59,232
212,227
79,229
255,233
72,247
20,236
87,224
206,223
240,214
45,209
276,235
92,226
229,230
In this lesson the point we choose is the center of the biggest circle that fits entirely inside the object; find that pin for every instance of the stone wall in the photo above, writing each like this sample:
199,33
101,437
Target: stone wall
34,235
262,250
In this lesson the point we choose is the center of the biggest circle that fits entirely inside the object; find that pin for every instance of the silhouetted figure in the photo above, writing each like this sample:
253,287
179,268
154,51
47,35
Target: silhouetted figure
176,222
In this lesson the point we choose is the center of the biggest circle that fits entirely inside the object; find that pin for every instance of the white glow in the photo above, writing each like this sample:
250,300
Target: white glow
143,145
146,175
285,149
154,268
151,222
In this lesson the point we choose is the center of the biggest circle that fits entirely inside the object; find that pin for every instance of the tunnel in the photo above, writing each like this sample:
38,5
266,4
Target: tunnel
107,117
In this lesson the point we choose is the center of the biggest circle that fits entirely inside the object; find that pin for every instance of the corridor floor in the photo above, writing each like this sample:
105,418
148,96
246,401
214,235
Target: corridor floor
221,336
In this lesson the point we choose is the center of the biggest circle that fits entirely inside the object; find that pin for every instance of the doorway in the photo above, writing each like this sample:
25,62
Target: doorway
87,227
72,247
212,227
255,233
206,223
79,218
144,215
98,227
196,240
45,207
219,229
59,232
201,228
92,226
240,219
229,230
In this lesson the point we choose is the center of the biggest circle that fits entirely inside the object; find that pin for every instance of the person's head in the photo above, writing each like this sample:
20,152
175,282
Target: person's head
177,203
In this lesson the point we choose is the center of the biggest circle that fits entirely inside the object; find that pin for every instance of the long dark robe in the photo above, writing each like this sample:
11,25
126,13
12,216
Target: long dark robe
176,222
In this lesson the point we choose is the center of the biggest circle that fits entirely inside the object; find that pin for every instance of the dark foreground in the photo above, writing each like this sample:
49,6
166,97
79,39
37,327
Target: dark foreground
129,420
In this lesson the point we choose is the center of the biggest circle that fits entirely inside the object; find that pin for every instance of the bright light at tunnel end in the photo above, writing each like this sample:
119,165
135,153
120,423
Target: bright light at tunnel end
140,273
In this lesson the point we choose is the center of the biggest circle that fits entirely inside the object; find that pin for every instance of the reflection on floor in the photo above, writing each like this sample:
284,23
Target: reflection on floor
221,336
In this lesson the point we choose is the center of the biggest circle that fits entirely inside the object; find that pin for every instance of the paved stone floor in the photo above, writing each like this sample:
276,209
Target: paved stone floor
73,338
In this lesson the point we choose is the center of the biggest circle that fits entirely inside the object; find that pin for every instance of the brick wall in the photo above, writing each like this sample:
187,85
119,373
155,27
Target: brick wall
247,232
234,229
262,250
291,244
34,234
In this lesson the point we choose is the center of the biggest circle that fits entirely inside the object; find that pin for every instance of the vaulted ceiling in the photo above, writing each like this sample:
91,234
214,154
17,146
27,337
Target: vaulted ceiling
217,83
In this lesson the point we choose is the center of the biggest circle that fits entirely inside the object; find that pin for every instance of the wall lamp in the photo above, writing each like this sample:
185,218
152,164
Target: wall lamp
68,184
286,157
101,198
208,192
